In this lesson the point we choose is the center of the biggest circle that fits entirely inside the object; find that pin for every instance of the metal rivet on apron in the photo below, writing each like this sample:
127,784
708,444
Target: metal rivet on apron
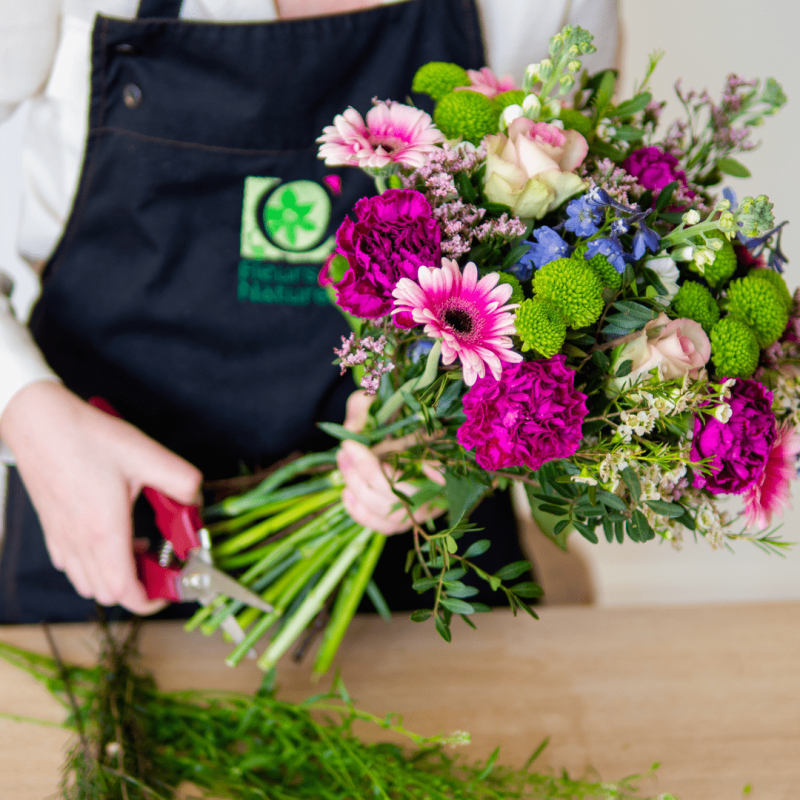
127,49
131,95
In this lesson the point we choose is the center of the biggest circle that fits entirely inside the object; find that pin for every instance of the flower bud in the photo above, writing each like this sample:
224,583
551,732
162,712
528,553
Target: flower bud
574,66
691,217
510,113
716,244
531,106
545,69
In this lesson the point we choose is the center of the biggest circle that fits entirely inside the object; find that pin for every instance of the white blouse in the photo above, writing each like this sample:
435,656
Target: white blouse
45,59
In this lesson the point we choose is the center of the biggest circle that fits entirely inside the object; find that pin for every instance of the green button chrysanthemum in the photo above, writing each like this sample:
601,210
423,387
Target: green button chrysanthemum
468,114
776,279
724,263
573,288
513,97
517,295
758,303
439,78
540,326
694,301
604,269
734,349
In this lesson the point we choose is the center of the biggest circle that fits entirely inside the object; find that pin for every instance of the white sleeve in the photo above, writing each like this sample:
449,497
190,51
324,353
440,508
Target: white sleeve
28,39
517,32
21,362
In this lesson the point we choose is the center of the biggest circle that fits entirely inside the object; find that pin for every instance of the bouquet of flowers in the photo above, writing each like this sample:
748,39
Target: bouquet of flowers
543,290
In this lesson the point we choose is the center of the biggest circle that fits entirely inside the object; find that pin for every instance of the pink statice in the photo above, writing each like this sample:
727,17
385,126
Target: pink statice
470,316
530,416
770,493
393,135
366,352
486,82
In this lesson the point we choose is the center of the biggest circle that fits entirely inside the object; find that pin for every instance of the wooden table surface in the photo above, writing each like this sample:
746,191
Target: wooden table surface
713,693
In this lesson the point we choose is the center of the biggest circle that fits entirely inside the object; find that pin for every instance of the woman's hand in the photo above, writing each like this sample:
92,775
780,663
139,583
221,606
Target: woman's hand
83,470
368,495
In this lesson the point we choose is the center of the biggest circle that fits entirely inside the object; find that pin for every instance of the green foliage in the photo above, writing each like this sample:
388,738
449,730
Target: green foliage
136,742
775,279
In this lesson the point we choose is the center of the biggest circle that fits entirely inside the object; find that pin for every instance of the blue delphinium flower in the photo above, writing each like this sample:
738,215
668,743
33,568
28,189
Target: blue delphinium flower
548,247
419,350
611,248
584,217
645,239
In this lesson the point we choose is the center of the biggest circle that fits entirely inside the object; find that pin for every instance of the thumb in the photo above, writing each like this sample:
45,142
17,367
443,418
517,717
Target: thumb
357,410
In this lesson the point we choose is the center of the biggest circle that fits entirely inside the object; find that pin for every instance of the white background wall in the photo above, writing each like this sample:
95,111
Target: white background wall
704,40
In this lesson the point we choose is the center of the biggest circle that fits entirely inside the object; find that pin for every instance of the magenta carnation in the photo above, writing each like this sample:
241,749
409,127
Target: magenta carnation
653,168
532,415
395,233
739,448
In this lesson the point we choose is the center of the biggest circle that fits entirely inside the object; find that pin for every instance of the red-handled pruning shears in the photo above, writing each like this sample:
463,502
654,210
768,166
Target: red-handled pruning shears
188,542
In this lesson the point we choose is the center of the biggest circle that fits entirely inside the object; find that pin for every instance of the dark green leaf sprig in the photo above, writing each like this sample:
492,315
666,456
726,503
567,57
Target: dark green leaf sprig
139,743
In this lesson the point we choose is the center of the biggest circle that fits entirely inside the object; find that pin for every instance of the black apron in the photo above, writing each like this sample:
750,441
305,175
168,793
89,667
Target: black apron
184,289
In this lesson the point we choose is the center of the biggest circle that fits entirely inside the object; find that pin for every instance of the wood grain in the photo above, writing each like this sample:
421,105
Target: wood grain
713,693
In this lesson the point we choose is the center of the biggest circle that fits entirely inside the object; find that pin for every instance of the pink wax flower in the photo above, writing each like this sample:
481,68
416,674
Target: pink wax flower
532,415
394,233
486,82
393,135
470,316
653,168
770,493
739,448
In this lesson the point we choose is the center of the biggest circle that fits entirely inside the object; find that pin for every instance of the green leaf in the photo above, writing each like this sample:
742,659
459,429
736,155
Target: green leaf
574,120
585,531
421,615
527,589
514,570
340,432
556,511
604,94
632,530
481,608
606,150
443,629
457,606
608,529
477,548
611,500
624,368
462,494
646,533
378,601
665,195
632,106
632,482
337,268
423,584
628,133
635,310
732,167
514,256
462,591
601,360
666,509
451,544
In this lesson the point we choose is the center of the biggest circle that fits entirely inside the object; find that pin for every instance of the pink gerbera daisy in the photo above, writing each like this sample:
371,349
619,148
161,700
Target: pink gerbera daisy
770,493
470,316
394,134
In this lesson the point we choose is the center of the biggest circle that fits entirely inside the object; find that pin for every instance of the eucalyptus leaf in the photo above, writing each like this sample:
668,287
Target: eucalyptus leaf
513,570
457,606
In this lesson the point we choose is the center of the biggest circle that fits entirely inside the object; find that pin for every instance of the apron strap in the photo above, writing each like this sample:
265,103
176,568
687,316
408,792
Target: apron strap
163,9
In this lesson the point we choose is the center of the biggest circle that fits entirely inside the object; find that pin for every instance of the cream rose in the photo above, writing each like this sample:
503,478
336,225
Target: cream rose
676,347
531,169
